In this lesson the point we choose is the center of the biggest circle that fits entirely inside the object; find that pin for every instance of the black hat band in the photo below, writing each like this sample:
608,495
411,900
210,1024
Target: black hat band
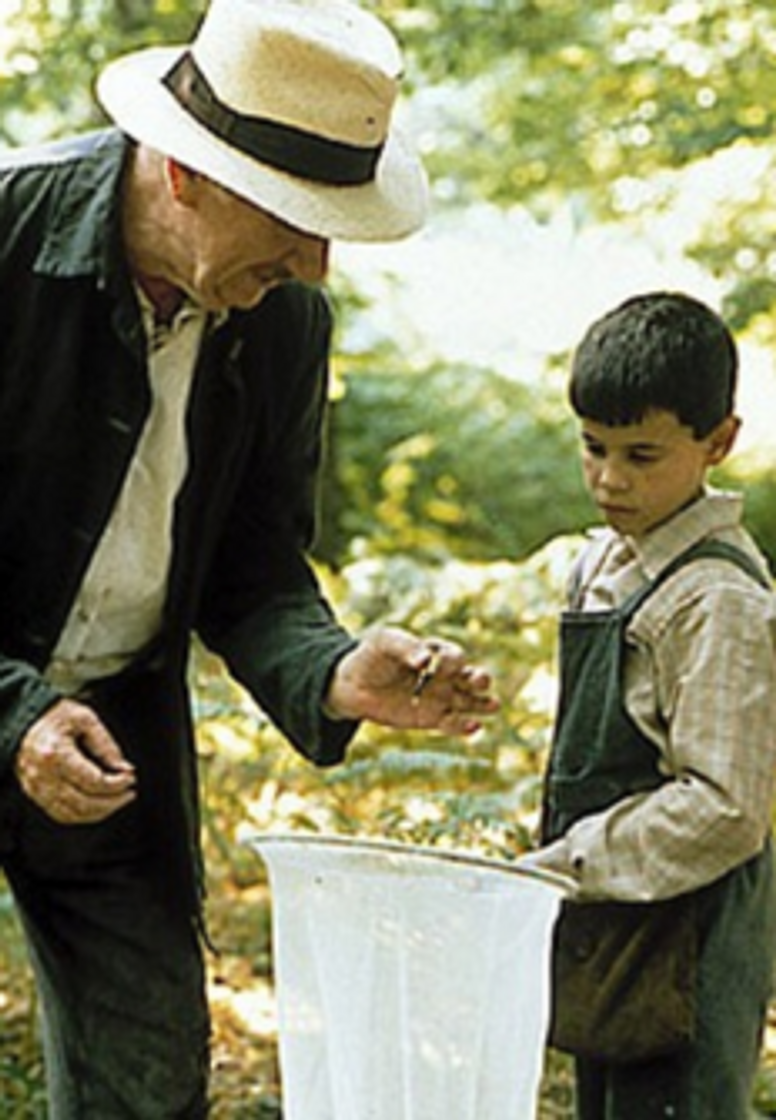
281,146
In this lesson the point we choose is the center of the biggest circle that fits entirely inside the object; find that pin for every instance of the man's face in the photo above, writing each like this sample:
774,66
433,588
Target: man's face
641,474
235,253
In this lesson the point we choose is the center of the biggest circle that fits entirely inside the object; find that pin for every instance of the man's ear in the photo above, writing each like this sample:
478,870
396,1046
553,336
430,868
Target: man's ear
181,182
720,441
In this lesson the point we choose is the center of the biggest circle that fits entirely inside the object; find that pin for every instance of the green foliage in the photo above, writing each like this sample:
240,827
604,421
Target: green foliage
461,462
59,46
738,238
539,102
759,505
482,794
581,94
450,461
534,102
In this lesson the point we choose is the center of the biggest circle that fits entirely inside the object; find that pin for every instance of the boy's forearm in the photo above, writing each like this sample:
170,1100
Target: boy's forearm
655,845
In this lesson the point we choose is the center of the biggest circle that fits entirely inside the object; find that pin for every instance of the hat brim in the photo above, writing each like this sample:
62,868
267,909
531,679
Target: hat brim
391,207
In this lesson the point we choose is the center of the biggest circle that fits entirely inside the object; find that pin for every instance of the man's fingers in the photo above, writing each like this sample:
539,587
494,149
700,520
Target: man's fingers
94,739
79,767
67,805
476,679
72,768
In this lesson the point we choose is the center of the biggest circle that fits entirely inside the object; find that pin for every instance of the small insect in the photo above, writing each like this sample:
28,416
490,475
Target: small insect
426,674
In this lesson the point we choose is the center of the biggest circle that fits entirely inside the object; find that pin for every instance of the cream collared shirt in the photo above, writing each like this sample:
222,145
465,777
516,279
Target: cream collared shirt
119,607
700,681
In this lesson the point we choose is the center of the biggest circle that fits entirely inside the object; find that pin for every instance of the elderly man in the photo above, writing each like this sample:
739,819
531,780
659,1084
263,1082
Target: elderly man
163,363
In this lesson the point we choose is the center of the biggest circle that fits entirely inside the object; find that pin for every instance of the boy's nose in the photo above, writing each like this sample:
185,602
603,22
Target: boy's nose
612,477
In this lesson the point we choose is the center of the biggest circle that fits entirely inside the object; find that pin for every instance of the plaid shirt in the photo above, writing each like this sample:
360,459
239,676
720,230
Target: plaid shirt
700,682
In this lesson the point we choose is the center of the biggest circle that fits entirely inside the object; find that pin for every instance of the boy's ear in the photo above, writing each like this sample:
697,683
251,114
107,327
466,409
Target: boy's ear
720,441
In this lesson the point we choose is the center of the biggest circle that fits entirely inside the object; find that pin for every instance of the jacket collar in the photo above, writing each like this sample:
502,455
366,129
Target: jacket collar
83,235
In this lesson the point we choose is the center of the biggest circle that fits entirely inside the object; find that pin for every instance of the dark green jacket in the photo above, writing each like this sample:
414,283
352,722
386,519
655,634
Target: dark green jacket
74,395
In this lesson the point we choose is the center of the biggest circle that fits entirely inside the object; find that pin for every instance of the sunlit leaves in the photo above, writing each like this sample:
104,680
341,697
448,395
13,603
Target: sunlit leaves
536,102
526,102
54,49
450,461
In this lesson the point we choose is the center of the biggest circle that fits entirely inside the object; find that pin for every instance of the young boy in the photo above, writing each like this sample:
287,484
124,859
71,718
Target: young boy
660,779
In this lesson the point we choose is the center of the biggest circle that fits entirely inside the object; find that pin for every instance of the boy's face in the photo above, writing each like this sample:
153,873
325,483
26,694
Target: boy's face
641,474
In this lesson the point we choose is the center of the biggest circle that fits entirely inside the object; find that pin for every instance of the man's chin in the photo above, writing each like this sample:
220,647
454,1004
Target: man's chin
221,305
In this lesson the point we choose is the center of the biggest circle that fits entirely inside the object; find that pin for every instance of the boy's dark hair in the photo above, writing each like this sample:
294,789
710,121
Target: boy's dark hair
662,350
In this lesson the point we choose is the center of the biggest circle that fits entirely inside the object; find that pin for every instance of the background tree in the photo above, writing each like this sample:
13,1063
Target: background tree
55,50
594,101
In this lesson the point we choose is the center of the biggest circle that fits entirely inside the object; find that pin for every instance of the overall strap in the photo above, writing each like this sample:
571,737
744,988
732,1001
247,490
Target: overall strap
710,549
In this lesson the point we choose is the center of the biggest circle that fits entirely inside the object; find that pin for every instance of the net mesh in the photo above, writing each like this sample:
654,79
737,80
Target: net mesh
410,986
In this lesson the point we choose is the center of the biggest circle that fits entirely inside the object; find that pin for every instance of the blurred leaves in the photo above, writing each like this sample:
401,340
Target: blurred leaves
479,794
57,48
565,97
522,102
458,462
448,461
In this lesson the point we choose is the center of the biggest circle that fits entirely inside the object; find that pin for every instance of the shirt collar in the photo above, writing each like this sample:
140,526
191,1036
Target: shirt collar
711,514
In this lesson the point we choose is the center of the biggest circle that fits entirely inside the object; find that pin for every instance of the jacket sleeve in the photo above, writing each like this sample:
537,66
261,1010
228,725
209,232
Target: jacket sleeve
263,610
24,697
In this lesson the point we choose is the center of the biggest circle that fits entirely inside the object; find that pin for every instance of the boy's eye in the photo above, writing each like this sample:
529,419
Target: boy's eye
643,457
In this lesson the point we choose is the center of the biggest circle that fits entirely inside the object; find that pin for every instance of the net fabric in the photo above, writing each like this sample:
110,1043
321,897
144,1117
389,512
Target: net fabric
409,987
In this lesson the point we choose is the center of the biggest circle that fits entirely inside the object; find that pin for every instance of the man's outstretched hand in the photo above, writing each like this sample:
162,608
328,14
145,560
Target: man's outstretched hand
399,680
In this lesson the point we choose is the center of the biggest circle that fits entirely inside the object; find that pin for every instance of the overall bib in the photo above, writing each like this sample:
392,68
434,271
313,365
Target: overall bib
600,756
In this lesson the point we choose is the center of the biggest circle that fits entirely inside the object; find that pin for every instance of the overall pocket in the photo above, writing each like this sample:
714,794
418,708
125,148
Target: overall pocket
624,979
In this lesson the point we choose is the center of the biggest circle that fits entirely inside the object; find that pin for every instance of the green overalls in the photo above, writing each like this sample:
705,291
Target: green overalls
600,756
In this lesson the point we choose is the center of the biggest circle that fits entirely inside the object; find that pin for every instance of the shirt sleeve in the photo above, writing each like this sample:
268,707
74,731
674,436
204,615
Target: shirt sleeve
710,665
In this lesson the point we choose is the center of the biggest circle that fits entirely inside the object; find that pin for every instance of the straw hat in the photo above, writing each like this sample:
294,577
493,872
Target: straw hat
287,103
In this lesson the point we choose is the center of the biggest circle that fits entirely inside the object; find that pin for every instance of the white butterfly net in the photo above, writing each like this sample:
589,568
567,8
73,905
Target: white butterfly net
411,985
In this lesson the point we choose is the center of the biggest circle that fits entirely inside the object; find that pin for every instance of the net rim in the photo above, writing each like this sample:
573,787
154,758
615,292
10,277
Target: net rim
371,845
